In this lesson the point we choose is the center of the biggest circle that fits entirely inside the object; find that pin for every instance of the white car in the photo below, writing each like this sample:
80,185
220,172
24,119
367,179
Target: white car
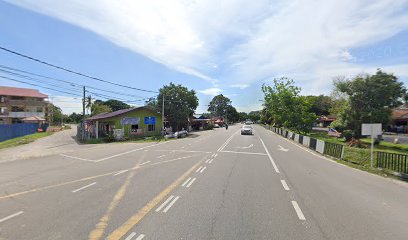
246,129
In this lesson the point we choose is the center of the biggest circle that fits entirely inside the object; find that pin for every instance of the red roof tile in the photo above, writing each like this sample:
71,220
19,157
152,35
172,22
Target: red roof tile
21,92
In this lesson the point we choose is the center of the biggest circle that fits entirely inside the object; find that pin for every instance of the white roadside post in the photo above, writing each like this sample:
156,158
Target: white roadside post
372,129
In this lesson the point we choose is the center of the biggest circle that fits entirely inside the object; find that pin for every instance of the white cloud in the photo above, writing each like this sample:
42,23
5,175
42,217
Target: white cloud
247,41
68,105
211,91
240,86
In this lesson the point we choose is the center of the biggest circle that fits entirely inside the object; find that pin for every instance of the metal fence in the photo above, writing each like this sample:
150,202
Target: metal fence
10,131
392,161
332,149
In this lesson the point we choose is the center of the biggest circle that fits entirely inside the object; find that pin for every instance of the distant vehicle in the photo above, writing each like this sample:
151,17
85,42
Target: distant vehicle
249,122
216,126
246,129
333,132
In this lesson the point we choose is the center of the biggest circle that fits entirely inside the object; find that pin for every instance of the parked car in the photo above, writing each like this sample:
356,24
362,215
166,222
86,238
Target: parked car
216,126
181,134
246,129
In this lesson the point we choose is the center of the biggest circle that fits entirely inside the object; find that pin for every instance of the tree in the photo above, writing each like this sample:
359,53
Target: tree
232,114
320,105
179,104
243,116
98,108
88,103
254,115
219,105
288,108
370,99
115,105
55,115
266,116
74,118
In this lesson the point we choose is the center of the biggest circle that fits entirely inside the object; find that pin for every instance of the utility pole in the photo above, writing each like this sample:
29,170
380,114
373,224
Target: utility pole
83,116
163,111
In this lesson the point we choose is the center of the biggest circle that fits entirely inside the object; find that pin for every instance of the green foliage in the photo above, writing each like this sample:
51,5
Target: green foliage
219,105
320,105
338,125
209,127
180,104
243,116
347,135
115,105
266,116
232,114
370,99
99,108
254,115
73,118
56,115
288,108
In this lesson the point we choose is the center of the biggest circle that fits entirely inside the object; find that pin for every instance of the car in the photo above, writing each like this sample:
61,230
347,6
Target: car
246,129
216,126
181,134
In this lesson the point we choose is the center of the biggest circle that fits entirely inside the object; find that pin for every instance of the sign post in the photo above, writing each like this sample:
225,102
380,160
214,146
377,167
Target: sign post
372,129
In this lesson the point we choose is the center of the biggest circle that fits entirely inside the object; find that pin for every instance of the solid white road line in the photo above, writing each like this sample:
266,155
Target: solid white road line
11,216
185,182
226,142
171,204
215,155
164,203
140,237
172,151
161,156
210,161
298,211
202,170
82,188
144,163
199,168
130,236
206,161
251,153
123,171
192,181
285,185
78,158
124,153
270,157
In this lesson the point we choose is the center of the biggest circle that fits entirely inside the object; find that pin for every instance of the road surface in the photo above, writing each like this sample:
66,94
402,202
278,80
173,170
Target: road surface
217,185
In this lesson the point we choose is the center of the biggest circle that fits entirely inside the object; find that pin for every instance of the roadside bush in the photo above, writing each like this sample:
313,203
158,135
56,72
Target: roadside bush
347,135
209,127
338,125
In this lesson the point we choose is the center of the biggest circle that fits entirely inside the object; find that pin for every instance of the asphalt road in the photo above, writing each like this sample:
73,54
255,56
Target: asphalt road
215,185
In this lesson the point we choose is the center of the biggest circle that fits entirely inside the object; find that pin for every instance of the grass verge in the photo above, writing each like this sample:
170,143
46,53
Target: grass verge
23,140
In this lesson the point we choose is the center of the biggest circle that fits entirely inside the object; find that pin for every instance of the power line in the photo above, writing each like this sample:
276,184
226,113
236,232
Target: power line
34,79
71,71
65,81
15,80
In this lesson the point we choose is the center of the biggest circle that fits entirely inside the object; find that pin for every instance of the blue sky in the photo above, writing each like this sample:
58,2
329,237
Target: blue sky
232,48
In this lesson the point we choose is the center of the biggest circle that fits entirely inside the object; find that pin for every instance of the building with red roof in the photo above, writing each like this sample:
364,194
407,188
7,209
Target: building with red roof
19,104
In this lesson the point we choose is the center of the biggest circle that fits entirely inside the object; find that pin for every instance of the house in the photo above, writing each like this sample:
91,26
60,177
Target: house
199,122
325,121
131,123
18,105
399,120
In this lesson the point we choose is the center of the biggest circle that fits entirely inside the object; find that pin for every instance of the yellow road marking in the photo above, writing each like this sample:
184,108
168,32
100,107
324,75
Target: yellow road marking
82,179
132,221
100,227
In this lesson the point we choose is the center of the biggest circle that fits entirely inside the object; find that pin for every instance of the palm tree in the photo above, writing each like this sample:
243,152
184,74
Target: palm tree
88,103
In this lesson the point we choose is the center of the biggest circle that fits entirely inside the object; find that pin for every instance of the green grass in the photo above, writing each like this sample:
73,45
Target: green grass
383,146
23,140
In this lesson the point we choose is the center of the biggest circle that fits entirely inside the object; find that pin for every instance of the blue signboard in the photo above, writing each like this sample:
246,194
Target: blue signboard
129,121
150,120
